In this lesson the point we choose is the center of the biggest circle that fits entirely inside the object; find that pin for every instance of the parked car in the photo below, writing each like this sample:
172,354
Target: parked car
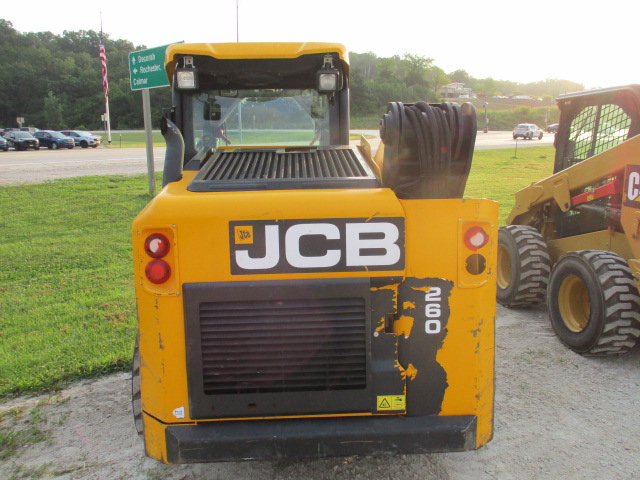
527,131
29,129
22,140
4,145
54,140
82,138
6,130
553,128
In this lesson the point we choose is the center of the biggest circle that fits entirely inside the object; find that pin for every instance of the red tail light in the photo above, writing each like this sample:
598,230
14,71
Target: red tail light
157,271
475,238
156,245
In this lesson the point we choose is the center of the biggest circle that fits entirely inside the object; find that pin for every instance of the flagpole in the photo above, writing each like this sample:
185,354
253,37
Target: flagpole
105,83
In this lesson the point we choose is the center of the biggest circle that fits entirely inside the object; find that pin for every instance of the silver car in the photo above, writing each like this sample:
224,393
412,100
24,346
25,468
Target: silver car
81,138
528,131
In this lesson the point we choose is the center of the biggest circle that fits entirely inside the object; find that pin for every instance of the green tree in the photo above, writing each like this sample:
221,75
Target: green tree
53,118
416,68
437,78
489,87
387,68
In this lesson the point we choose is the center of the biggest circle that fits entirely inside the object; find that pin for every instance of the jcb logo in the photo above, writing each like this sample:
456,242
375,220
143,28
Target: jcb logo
336,245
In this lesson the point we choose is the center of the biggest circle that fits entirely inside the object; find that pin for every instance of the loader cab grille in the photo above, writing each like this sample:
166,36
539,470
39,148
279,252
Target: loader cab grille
284,169
282,347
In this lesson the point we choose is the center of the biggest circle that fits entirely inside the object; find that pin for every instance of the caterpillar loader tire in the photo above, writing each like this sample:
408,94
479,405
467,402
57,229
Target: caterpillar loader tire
523,266
593,303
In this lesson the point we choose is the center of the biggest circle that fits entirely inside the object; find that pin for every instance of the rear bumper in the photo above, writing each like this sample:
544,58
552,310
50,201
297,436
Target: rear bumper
318,437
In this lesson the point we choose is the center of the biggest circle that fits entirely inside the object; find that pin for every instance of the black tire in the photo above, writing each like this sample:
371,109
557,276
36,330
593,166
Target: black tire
540,137
54,145
593,303
84,144
94,146
36,148
136,399
515,137
523,266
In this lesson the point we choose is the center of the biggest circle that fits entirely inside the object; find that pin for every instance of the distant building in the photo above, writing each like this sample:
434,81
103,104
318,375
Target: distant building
456,90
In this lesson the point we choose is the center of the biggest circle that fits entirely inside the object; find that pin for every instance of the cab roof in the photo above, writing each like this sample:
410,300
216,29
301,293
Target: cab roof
252,50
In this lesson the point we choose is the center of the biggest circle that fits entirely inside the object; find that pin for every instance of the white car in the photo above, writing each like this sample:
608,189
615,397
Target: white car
528,131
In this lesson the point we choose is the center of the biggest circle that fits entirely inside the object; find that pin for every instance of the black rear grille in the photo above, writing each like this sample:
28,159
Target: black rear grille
242,165
288,345
251,169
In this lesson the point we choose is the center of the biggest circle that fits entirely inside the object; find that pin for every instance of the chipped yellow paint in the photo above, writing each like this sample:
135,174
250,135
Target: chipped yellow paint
403,325
408,305
425,288
409,373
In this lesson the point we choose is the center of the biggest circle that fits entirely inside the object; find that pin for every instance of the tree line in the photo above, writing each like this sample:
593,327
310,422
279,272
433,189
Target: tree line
55,81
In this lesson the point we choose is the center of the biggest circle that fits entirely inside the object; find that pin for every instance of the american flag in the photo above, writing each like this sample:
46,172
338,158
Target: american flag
103,61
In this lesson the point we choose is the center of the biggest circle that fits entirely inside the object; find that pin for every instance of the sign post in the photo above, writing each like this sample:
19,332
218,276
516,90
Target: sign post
146,70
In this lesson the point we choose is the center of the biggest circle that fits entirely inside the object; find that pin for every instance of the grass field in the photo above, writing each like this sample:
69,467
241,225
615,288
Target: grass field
139,139
67,305
132,139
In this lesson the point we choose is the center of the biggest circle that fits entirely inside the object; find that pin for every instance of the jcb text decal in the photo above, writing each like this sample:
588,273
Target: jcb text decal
333,245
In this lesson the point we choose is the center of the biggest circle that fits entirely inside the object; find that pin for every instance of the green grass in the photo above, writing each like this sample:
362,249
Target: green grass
497,174
131,139
67,304
67,308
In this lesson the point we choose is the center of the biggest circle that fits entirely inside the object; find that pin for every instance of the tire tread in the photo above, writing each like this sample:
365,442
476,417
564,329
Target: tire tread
535,267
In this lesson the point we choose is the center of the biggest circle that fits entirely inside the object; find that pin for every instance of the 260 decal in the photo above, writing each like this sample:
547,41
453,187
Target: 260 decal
335,245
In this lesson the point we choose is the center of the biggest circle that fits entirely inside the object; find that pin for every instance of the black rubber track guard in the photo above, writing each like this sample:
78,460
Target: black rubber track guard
319,437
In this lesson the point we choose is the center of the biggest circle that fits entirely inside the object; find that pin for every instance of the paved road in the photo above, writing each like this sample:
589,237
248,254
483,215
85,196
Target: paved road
484,141
38,166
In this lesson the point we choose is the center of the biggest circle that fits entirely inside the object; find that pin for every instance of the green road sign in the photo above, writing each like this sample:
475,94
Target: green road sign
146,68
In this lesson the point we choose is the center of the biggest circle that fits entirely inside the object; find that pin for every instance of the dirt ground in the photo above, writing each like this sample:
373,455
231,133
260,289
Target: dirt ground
557,416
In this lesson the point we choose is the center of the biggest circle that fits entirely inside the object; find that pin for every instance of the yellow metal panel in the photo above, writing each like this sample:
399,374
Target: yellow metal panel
199,223
252,50
467,355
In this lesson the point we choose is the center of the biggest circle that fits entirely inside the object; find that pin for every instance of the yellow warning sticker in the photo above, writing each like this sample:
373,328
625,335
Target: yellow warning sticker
391,402
243,234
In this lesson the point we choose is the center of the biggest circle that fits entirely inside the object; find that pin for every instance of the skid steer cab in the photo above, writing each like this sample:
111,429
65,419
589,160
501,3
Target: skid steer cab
298,297
574,237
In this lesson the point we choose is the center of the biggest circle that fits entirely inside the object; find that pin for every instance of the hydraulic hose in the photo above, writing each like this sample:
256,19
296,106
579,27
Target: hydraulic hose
428,148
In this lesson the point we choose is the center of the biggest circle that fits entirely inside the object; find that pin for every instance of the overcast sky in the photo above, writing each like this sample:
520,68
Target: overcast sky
522,41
